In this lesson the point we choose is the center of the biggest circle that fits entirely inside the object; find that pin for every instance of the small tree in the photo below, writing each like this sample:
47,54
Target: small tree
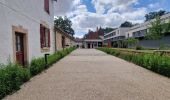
167,27
132,41
156,29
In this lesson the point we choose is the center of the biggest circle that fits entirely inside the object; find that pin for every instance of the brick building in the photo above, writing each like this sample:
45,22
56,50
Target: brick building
94,39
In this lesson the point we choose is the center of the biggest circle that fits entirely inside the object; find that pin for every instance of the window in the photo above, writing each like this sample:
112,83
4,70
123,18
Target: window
46,6
44,36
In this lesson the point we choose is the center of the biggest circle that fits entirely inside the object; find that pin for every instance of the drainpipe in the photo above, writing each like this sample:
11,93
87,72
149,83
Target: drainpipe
55,40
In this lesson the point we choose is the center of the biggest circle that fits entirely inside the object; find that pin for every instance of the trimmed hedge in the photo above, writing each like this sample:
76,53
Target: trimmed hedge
12,76
154,62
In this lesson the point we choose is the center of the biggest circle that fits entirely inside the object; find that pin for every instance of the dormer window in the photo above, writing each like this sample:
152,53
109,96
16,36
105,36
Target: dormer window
46,6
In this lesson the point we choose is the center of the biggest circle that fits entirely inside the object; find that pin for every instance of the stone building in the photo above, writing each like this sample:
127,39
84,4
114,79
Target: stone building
63,39
26,30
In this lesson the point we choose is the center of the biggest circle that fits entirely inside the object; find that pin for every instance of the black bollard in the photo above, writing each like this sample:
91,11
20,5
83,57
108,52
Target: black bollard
46,60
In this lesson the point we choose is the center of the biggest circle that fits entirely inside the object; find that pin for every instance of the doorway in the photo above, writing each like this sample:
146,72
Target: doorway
19,47
88,45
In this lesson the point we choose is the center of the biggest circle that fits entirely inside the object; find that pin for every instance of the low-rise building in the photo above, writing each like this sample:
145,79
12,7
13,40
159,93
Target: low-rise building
115,38
94,39
79,42
26,30
139,31
63,39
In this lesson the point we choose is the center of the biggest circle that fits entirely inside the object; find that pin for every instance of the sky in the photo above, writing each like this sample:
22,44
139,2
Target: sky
89,14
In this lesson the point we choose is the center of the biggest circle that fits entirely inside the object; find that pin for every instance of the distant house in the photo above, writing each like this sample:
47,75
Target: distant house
63,39
26,29
140,31
79,42
115,38
94,39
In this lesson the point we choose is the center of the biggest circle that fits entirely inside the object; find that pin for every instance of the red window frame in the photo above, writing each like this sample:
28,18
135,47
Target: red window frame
47,6
44,36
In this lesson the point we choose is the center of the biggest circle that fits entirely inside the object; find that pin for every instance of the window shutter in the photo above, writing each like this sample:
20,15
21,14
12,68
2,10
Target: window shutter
42,31
49,38
46,5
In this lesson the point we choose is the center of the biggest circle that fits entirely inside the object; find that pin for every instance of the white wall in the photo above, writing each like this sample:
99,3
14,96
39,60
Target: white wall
26,13
146,25
119,32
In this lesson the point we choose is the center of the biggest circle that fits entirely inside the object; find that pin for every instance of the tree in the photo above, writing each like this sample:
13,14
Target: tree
167,27
132,41
126,24
153,15
108,29
156,29
65,24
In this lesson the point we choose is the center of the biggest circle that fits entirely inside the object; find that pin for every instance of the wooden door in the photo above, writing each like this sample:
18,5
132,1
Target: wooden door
63,42
19,48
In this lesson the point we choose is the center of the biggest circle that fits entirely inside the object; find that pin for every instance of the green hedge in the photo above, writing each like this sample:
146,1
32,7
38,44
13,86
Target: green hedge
154,62
38,65
12,76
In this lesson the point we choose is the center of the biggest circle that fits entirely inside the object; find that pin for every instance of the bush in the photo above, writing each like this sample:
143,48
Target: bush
154,62
11,78
38,65
139,47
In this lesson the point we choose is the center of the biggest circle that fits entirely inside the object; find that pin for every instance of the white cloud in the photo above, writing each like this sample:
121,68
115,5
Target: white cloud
109,13
154,5
102,6
63,7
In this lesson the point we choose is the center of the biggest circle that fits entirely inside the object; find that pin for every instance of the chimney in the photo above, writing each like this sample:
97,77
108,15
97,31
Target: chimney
97,28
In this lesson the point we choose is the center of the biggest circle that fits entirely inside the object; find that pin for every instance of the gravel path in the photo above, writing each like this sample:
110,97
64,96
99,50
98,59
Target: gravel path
88,74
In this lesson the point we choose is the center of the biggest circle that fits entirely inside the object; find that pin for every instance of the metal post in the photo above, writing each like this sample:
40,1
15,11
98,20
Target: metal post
46,60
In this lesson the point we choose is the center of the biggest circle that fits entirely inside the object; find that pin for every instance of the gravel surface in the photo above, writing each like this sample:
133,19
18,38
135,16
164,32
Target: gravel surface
88,74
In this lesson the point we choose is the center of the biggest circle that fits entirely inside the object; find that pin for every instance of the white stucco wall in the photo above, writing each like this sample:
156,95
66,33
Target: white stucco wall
28,14
165,18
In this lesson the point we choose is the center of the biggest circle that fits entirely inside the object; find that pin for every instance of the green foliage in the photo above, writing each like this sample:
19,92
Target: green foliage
65,24
139,47
153,15
132,41
166,27
38,65
108,29
11,77
154,62
156,29
126,24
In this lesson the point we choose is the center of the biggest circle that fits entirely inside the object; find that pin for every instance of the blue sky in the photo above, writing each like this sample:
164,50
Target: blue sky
89,14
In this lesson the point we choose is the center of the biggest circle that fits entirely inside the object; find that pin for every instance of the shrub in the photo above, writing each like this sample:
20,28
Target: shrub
11,77
37,65
154,62
139,47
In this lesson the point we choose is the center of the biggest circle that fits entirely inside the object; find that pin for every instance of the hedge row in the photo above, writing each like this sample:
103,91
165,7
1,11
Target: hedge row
38,65
154,62
12,76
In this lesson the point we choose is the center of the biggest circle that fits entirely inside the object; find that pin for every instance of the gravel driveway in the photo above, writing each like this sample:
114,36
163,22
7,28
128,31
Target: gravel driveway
88,74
